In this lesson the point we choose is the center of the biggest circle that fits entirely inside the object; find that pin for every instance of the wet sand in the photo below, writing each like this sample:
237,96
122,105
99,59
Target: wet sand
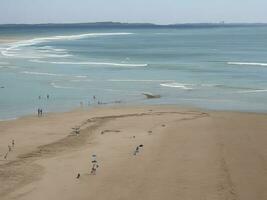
187,154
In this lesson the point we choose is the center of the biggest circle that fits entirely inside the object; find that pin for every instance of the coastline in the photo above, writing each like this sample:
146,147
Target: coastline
188,153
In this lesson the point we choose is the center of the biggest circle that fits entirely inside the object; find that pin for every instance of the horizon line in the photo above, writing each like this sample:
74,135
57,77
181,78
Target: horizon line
138,23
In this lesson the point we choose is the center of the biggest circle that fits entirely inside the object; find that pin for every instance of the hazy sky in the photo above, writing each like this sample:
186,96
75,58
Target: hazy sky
155,11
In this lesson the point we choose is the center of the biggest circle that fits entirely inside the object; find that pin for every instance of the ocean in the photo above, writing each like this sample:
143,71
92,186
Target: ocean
218,68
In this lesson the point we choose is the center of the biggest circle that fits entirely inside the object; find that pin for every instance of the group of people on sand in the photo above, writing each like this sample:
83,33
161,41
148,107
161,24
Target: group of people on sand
10,146
95,166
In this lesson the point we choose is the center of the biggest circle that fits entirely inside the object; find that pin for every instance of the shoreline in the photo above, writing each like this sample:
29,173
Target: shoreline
125,105
188,153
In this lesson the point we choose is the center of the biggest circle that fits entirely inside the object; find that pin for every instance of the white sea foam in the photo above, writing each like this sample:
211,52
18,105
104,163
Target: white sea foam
60,50
247,63
177,85
101,63
9,51
252,91
81,80
60,87
91,63
52,74
138,80
37,61
45,51
45,47
81,76
57,55
53,53
42,73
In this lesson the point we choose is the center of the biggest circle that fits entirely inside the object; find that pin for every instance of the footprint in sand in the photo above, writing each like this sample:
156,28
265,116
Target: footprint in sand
110,131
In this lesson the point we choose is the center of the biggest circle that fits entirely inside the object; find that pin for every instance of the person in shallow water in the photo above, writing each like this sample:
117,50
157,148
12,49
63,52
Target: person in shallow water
40,112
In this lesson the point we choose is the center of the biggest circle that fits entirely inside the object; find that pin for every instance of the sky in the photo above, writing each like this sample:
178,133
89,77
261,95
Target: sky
153,11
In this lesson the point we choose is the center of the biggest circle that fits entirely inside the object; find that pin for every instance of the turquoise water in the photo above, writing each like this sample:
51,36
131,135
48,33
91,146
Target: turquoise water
214,68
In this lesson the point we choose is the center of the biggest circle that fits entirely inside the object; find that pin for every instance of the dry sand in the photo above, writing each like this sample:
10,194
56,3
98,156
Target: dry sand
188,154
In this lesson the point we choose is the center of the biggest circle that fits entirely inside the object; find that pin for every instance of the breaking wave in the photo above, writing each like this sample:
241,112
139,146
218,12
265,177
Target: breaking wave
13,48
91,63
252,91
42,73
177,85
60,87
52,74
137,80
247,63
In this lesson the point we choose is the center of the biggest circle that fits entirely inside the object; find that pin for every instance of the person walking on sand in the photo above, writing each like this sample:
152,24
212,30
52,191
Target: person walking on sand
9,148
136,150
13,143
5,157
93,171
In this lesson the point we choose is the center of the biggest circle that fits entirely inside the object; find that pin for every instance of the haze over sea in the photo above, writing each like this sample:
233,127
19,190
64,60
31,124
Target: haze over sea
222,68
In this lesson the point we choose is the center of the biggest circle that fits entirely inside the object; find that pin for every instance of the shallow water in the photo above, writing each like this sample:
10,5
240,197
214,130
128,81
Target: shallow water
215,68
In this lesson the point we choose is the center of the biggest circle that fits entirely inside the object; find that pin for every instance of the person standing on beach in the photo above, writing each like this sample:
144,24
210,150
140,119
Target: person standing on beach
93,171
47,96
136,150
13,143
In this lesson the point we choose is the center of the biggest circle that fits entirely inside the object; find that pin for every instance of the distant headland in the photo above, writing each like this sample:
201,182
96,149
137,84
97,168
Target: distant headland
136,25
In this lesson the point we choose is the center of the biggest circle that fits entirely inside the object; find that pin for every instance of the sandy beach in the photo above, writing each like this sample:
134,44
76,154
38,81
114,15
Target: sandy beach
187,154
